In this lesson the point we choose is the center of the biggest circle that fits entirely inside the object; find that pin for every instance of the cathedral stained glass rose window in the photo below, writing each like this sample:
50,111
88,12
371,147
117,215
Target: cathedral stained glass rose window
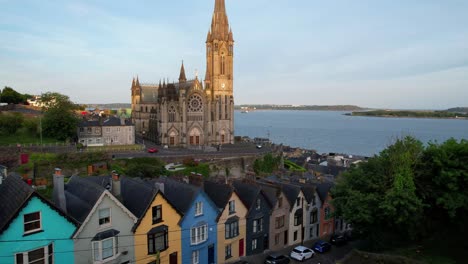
195,103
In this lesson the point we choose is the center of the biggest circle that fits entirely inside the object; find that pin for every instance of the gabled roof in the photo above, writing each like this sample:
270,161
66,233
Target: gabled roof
272,192
291,192
13,194
219,193
81,196
307,189
180,195
248,193
323,189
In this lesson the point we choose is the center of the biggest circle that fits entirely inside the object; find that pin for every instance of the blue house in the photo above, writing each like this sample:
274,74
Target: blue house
32,229
198,223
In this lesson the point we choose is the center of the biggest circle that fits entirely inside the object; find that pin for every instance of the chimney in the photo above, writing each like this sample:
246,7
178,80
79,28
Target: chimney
160,186
115,184
59,190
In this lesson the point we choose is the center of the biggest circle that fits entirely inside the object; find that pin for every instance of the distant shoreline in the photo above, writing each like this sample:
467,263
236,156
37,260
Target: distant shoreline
411,114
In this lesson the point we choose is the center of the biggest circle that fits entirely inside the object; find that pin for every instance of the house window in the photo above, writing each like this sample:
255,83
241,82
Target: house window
258,225
157,214
97,130
280,202
314,216
107,129
298,217
254,244
311,233
81,129
231,229
198,234
90,130
298,201
105,249
43,255
104,216
118,129
295,235
157,242
277,239
232,207
32,222
198,208
327,212
195,257
258,204
279,221
228,251
313,200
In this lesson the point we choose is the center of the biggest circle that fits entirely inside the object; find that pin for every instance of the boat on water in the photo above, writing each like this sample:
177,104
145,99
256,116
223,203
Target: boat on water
244,111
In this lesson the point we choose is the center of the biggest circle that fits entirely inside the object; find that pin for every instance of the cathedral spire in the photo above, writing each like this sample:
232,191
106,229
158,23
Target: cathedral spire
182,77
133,82
137,82
220,24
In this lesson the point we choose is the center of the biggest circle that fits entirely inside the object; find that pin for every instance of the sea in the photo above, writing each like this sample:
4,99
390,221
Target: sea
333,131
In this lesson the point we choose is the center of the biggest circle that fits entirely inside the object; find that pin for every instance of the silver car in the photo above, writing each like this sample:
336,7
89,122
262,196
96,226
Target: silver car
301,253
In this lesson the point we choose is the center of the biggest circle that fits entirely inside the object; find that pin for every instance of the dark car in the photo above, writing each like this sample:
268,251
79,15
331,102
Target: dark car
277,259
321,246
338,240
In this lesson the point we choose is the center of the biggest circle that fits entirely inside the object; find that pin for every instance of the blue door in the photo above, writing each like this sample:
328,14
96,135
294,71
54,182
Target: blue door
211,256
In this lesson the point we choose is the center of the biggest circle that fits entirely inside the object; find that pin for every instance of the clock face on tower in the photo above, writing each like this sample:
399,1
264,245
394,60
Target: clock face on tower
195,103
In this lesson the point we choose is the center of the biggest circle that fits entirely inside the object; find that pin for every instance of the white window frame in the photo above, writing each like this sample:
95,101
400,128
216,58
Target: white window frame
97,245
232,206
195,257
47,254
198,208
33,230
254,244
110,218
258,204
198,234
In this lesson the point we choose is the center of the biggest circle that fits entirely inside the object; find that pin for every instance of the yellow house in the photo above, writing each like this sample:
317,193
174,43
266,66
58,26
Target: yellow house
231,221
158,231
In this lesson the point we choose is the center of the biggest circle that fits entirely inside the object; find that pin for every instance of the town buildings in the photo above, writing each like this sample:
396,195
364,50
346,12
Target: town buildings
192,112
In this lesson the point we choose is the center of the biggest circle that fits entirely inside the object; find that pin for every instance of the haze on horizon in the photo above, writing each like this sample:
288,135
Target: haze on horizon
391,54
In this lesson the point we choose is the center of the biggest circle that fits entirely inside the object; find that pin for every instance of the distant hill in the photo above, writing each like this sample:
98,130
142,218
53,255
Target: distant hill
110,106
458,110
303,107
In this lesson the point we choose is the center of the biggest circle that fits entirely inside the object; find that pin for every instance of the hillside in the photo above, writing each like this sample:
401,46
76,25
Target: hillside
302,107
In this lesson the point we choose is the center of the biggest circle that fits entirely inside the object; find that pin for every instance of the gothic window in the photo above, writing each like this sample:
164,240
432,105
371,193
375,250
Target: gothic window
216,46
208,49
231,50
223,70
195,103
171,113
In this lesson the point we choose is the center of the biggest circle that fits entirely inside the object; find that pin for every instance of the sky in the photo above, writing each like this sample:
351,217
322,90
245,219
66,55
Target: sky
406,54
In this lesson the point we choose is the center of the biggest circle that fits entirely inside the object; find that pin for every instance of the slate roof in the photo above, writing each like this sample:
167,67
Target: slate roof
291,192
271,191
13,194
323,189
219,193
81,196
248,192
307,189
110,121
179,194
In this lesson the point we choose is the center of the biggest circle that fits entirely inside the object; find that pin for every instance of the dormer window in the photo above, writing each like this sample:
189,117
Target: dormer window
157,214
258,204
104,216
198,208
232,207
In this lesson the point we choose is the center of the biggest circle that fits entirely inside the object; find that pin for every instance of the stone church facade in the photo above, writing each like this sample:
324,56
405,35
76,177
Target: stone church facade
192,112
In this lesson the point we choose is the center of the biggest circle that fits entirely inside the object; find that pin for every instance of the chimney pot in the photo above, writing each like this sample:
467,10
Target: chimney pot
58,171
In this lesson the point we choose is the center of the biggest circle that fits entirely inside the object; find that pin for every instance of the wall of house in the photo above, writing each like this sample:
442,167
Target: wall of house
118,135
296,228
281,231
327,225
56,229
171,219
241,212
120,221
312,228
210,212
261,237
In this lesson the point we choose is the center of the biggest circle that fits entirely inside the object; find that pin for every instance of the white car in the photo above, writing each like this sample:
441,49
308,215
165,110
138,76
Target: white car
301,253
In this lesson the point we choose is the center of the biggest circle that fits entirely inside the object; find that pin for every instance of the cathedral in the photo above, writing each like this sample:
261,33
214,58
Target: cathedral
192,112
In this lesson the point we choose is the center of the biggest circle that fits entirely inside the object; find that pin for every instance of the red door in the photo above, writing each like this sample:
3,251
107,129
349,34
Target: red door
241,247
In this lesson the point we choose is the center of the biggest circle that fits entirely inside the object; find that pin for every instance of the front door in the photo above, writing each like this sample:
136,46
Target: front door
241,247
211,256
173,258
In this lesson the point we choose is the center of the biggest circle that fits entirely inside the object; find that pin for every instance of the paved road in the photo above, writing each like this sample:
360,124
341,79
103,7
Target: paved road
336,253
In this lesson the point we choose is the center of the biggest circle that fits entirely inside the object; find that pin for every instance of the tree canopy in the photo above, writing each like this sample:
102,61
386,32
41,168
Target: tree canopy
60,120
408,191
10,96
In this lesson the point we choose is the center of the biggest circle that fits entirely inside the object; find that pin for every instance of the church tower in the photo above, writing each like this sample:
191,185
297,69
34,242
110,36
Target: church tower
219,77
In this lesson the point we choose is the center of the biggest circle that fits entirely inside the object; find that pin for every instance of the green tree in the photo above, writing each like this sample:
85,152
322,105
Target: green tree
10,123
60,121
379,197
10,96
267,164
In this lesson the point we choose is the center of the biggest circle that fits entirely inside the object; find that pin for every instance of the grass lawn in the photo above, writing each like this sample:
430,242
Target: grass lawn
23,137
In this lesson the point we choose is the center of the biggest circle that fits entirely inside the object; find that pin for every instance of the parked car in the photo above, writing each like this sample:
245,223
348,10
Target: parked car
301,253
152,150
338,239
322,246
277,258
